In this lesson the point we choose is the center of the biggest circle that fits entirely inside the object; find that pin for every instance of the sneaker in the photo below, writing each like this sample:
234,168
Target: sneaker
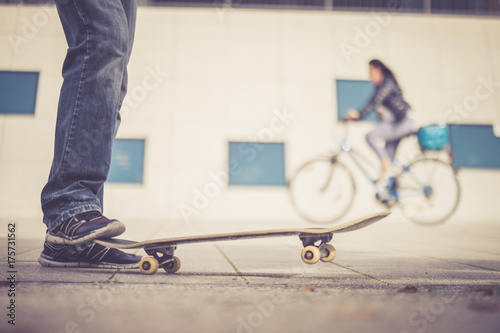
85,227
95,256
384,186
386,191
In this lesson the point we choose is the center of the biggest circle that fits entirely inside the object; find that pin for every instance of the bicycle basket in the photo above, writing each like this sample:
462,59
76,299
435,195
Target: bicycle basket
433,137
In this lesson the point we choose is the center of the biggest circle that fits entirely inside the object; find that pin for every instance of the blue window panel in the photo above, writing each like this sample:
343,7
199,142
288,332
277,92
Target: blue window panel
475,146
257,163
354,94
127,161
18,92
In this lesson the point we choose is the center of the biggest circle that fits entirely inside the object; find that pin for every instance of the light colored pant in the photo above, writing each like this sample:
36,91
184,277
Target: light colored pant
392,133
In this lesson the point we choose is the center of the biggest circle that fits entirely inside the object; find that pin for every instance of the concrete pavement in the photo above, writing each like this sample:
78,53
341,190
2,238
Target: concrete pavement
389,277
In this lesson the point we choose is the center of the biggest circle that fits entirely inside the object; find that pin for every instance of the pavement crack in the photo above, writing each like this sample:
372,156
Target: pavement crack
238,272
361,273
111,278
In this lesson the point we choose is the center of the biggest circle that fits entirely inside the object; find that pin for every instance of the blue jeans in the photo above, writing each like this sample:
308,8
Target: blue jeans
100,35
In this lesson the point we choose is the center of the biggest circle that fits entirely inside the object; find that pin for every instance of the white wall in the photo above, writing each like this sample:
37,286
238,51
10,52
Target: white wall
229,71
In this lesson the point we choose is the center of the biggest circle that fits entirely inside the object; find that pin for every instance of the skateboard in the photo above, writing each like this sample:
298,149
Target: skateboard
315,242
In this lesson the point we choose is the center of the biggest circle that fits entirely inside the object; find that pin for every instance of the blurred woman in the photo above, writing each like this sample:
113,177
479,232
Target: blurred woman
394,112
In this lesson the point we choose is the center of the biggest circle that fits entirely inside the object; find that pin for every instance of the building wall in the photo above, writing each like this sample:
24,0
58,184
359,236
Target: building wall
202,77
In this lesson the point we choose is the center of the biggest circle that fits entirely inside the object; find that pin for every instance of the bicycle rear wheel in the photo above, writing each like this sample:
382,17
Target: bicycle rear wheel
428,191
322,190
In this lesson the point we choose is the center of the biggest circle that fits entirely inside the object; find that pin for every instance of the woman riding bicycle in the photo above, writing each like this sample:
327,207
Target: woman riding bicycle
395,114
426,189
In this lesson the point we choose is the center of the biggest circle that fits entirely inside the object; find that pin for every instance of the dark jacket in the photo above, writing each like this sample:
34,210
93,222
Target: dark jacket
390,96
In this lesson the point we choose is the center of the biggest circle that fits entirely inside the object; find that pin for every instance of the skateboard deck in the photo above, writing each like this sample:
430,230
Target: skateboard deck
315,242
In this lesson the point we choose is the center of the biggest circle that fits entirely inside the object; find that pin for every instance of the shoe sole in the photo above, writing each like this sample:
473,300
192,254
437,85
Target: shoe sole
113,229
46,262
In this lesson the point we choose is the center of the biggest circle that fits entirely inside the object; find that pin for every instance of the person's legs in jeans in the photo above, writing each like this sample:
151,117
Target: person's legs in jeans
130,8
100,36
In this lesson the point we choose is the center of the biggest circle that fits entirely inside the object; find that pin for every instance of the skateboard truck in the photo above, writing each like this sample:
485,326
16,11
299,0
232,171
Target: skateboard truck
160,257
312,253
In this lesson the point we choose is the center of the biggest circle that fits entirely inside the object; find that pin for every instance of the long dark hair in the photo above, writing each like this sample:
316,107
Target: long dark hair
385,70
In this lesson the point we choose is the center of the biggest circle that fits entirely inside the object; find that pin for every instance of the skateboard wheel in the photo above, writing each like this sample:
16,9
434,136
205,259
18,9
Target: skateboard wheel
311,254
148,265
330,253
172,266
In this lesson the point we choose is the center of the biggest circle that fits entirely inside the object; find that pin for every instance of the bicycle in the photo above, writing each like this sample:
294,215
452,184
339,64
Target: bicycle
426,189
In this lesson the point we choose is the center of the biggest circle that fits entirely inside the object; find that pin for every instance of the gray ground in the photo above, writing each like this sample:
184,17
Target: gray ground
389,277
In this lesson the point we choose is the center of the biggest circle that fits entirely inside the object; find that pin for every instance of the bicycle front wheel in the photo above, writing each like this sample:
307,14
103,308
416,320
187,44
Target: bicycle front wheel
428,191
322,190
